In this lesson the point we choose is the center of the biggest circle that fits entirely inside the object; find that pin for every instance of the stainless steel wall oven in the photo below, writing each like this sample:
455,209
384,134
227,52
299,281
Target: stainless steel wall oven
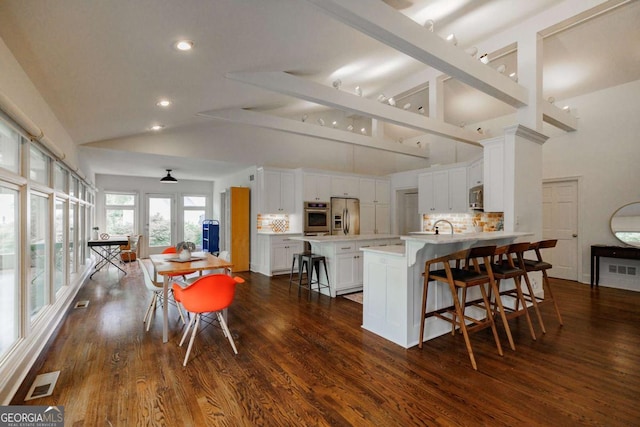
317,217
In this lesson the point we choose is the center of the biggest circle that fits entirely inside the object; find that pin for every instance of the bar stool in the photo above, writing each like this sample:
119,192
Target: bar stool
504,267
539,265
462,278
312,262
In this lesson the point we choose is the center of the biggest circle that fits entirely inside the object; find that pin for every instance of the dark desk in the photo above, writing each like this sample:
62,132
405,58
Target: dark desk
106,252
598,251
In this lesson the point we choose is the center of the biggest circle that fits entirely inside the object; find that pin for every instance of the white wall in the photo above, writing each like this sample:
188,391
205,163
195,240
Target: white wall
605,152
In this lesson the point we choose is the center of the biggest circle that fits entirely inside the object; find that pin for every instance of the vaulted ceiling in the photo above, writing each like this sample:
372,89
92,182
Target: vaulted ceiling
103,66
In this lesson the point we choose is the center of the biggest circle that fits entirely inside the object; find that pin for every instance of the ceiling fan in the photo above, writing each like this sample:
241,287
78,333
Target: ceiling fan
399,4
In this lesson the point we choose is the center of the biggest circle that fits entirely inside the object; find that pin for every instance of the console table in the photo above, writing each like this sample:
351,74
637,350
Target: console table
598,251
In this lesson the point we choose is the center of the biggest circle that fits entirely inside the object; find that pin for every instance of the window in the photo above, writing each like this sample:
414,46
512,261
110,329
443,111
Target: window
160,221
120,213
59,248
39,220
194,209
73,207
60,178
9,149
39,166
9,267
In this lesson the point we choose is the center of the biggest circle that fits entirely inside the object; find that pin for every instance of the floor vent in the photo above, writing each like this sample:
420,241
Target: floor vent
43,385
81,304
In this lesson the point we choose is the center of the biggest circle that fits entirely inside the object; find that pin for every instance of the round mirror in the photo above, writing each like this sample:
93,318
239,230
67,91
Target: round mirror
625,224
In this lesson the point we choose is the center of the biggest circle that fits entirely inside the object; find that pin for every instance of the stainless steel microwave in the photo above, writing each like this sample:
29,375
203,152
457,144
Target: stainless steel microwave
476,197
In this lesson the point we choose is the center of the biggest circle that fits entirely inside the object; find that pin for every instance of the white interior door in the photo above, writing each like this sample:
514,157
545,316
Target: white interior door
160,224
560,221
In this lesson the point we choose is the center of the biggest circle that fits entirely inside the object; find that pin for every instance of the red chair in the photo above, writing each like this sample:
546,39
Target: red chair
209,294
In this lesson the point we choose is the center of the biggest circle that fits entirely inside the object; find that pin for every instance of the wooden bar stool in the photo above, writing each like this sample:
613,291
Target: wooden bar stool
539,265
462,279
504,267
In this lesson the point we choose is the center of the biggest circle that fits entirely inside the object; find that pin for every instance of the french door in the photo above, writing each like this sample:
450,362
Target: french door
160,224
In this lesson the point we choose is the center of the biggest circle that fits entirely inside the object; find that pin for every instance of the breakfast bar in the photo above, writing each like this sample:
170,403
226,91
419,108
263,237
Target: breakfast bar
392,277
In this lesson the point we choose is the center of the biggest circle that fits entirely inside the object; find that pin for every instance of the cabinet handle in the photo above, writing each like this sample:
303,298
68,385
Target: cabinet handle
348,247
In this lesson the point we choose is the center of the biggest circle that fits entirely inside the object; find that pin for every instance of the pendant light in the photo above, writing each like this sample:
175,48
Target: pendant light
168,179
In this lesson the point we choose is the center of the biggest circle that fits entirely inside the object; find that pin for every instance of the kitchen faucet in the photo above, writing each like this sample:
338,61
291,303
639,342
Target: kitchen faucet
442,220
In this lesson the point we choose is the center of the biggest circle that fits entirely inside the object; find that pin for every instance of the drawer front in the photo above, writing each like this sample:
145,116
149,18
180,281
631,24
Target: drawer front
345,247
277,240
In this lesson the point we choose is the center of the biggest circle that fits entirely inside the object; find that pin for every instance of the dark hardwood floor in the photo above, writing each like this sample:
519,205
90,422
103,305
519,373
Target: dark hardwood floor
306,362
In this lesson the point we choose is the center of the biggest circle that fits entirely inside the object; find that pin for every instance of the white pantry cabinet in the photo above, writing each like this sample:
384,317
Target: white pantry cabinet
345,186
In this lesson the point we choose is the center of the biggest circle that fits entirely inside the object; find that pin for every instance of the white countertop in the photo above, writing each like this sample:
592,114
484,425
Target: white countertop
444,238
341,238
387,250
283,233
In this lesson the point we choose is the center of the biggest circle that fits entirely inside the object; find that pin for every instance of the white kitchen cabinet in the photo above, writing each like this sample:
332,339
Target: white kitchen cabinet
316,187
375,191
276,253
348,268
345,186
276,191
282,250
475,173
375,218
375,209
443,191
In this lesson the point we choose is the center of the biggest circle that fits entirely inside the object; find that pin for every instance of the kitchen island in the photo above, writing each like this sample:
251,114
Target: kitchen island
344,258
393,283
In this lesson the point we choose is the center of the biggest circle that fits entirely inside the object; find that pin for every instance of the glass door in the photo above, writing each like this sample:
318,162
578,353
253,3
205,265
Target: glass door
160,222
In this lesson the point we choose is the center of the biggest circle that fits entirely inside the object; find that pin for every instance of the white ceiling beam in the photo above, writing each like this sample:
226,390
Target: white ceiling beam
288,84
558,117
239,115
385,24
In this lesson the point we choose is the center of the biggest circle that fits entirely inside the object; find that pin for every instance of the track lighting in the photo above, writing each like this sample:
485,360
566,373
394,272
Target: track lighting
514,76
551,100
501,68
421,109
382,98
321,122
451,38
304,118
363,131
337,83
334,123
350,128
484,58
392,102
429,24
473,51
406,106
358,91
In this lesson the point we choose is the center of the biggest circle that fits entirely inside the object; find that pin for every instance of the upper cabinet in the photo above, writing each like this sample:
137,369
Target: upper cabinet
276,191
345,186
476,173
316,187
375,191
443,191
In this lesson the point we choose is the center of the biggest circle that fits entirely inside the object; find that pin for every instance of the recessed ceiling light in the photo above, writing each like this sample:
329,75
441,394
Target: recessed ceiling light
157,127
163,103
184,45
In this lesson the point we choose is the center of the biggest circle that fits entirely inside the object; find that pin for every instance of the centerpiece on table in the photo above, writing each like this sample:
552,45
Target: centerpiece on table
184,250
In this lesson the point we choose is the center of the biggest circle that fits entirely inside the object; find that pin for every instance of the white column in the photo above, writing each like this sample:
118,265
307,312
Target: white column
523,180
530,76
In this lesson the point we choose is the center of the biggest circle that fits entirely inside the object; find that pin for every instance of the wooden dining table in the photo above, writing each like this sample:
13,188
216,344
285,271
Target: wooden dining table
168,265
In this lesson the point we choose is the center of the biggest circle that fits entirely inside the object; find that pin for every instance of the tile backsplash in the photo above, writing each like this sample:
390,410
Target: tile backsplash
465,222
277,223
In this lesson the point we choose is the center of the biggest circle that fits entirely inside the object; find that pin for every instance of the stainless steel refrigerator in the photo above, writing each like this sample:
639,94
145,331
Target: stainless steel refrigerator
345,216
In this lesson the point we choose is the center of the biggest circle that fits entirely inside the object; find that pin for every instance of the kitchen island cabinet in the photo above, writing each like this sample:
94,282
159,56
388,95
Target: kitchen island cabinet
393,283
344,258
